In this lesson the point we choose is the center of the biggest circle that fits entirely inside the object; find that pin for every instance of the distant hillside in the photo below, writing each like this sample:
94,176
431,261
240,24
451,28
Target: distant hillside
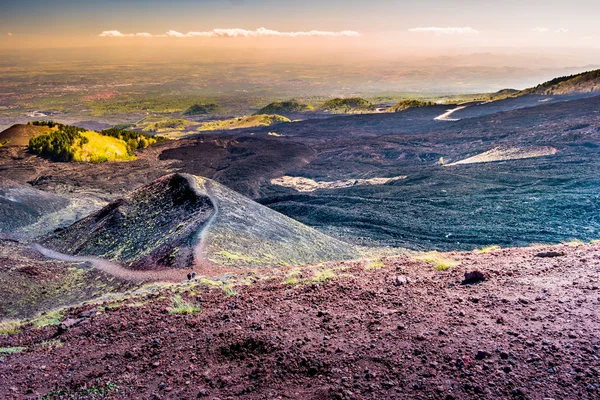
244,122
20,134
284,107
587,82
406,104
166,125
347,106
201,109
182,221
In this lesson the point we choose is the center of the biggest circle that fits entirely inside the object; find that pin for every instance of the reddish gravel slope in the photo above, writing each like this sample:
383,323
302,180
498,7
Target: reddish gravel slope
403,331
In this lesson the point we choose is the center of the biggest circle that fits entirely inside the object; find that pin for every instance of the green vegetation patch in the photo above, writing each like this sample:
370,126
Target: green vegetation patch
347,106
167,125
487,249
10,326
12,350
71,143
438,261
406,104
244,122
322,275
180,306
376,264
201,109
284,107
93,392
134,140
48,319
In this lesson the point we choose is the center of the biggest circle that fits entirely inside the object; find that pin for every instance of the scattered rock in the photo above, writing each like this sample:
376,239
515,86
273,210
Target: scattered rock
474,277
401,280
70,323
549,254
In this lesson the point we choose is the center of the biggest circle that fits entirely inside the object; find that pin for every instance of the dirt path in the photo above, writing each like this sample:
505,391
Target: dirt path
200,260
114,269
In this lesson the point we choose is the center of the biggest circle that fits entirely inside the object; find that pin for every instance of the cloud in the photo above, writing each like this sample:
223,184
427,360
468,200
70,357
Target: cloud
543,29
9,34
234,32
467,30
540,29
114,34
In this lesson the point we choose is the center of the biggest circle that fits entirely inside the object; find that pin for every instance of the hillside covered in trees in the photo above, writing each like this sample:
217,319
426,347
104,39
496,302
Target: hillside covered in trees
71,143
406,104
284,107
586,82
347,106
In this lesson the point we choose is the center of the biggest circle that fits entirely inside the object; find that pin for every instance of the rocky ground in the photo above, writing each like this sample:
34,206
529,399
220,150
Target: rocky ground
395,328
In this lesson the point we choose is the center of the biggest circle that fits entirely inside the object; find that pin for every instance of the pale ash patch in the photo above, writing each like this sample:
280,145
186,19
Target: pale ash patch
310,185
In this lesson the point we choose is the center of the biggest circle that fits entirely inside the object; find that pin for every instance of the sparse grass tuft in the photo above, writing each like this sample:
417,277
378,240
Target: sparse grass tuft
322,275
374,265
487,249
438,261
10,326
181,306
47,319
292,277
93,392
12,350
574,242
229,290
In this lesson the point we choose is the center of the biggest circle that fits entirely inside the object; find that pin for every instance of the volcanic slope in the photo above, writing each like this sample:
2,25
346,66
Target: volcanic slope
19,135
21,205
184,221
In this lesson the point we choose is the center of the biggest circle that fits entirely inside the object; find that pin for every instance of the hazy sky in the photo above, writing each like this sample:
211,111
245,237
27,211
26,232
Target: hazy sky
388,25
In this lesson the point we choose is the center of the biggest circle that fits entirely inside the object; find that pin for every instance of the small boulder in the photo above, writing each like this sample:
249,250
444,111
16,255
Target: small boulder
549,254
401,280
474,277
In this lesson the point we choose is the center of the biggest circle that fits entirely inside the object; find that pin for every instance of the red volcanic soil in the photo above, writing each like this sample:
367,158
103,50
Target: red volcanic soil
528,331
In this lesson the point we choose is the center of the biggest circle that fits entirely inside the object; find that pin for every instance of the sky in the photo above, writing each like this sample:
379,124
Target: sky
432,27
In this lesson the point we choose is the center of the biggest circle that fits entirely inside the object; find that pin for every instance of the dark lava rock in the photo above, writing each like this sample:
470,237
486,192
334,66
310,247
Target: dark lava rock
481,354
549,254
474,277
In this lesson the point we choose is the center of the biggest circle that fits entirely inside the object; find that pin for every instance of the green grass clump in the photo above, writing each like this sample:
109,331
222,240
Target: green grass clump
292,277
48,319
374,265
180,306
487,249
322,275
438,261
229,290
9,327
12,350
